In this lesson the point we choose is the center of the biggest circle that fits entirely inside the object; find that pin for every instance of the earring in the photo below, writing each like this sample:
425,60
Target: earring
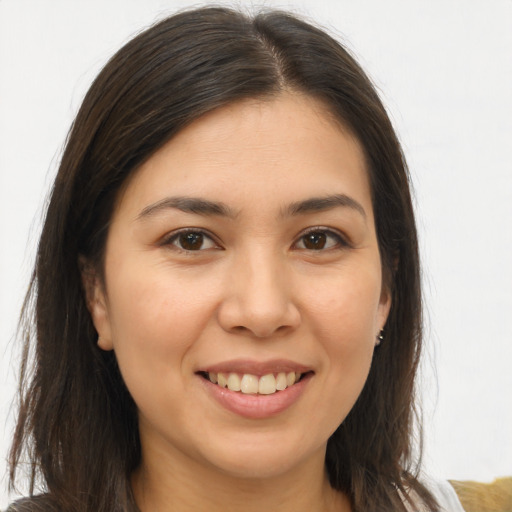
379,338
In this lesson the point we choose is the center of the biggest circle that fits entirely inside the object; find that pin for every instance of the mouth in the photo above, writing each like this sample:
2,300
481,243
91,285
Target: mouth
251,384
256,390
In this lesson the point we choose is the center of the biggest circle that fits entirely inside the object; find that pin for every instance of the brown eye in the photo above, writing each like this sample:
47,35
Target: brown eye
191,241
315,241
320,239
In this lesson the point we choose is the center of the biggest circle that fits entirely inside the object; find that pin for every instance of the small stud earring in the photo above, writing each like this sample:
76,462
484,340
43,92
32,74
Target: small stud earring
379,338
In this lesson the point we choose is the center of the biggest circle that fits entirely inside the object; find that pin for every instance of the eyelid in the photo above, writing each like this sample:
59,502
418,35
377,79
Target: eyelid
343,240
168,239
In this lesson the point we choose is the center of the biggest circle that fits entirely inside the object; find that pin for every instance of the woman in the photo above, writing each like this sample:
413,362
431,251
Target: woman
226,295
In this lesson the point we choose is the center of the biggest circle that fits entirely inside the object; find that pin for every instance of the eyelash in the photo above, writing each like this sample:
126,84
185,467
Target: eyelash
171,239
340,241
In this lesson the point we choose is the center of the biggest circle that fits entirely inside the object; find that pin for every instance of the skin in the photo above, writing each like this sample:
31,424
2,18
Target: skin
255,288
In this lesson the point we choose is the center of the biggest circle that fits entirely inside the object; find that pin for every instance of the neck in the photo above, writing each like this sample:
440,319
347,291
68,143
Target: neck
161,485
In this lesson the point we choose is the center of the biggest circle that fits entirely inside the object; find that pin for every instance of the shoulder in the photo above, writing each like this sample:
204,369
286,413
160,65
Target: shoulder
34,504
444,494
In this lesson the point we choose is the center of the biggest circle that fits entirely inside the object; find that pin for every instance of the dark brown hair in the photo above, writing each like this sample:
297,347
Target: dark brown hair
77,423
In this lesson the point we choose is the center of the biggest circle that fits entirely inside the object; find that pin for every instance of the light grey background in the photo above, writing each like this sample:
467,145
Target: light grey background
444,70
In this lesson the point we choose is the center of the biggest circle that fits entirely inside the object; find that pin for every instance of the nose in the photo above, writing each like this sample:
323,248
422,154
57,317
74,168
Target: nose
259,298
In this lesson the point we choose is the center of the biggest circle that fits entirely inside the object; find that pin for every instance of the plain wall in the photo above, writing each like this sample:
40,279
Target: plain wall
444,70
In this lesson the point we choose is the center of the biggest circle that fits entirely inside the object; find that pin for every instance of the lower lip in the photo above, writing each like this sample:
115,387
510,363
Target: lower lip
256,406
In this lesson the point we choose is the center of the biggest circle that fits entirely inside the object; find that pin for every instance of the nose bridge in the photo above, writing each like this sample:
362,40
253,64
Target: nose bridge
259,299
265,287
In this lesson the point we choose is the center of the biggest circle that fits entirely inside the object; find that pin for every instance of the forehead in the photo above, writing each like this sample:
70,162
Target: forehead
281,149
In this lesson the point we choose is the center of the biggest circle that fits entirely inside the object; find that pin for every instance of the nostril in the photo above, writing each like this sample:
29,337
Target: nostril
260,317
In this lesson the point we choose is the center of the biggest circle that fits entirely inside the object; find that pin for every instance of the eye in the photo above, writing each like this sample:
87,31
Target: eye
318,239
190,240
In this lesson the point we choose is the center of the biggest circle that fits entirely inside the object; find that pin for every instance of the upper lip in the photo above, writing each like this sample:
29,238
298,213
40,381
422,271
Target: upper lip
256,367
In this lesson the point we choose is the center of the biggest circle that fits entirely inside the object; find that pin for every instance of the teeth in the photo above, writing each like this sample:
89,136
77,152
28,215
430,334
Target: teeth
222,381
281,381
234,382
267,385
251,384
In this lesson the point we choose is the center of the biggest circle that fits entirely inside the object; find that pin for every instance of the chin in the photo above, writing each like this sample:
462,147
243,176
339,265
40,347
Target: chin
264,460
260,468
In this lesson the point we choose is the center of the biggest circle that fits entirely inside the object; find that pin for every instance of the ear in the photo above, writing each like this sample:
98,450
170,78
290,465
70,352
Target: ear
386,293
97,304
384,306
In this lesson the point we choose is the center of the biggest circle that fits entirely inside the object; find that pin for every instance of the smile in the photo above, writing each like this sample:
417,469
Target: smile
250,384
256,395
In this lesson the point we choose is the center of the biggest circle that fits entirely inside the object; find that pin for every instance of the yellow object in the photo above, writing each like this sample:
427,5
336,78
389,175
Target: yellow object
480,497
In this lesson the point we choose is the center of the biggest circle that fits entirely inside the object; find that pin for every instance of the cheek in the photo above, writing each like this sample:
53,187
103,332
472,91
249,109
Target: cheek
154,323
344,317
345,310
152,305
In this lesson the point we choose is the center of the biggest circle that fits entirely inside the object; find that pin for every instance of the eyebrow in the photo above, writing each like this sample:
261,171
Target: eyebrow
319,204
200,206
195,205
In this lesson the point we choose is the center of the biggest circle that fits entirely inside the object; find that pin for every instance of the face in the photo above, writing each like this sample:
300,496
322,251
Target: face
244,254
